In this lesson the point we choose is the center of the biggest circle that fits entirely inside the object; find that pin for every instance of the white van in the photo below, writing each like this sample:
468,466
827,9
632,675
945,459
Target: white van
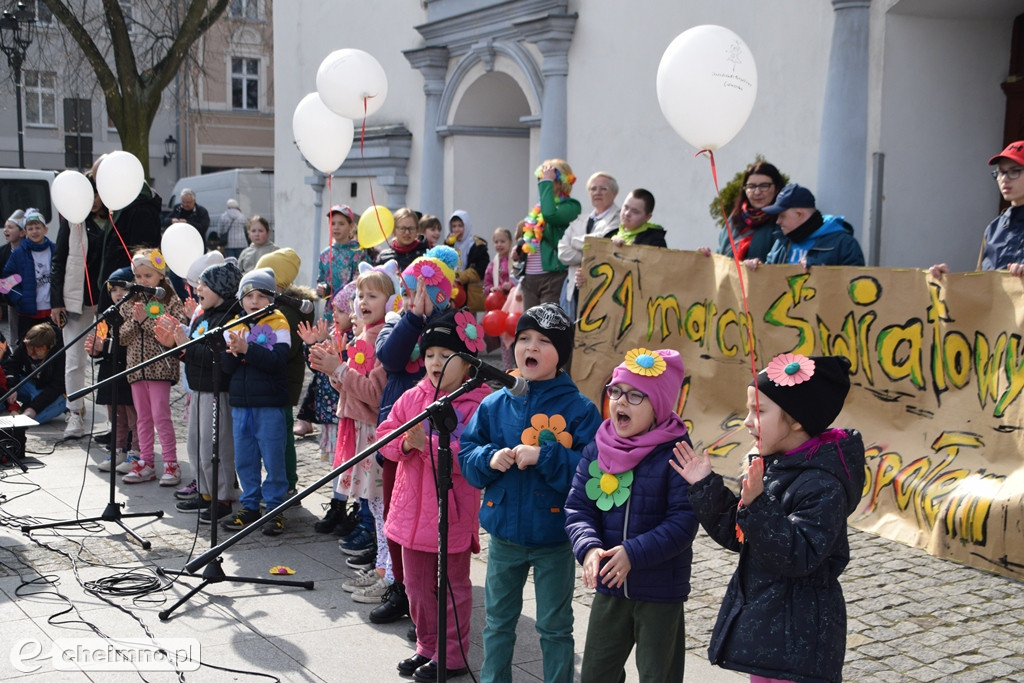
22,188
252,187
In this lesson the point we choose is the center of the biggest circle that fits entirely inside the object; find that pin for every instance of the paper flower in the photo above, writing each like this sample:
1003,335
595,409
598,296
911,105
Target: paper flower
546,429
645,362
469,331
201,329
157,259
608,489
101,331
281,569
262,335
415,362
360,357
154,309
430,272
790,369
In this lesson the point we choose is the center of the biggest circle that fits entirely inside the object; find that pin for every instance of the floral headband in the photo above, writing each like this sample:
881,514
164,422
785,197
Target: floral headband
569,179
154,259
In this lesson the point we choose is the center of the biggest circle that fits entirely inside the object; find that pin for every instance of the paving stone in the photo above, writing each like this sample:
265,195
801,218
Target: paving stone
926,674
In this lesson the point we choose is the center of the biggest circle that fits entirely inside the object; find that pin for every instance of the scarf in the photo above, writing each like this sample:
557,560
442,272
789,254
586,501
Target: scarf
743,223
628,236
616,454
399,249
807,229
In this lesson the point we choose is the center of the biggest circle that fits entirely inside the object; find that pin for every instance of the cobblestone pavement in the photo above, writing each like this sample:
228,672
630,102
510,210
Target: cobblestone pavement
912,617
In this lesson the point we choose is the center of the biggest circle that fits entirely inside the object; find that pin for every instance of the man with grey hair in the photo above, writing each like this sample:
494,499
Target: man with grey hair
188,211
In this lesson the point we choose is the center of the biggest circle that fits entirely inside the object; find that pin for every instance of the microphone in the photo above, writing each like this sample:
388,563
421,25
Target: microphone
304,305
516,386
132,288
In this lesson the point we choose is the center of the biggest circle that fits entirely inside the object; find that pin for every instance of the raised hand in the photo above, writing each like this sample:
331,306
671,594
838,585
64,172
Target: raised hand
689,465
753,483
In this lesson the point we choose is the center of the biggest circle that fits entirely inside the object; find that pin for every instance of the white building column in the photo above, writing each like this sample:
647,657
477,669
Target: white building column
552,35
842,156
432,62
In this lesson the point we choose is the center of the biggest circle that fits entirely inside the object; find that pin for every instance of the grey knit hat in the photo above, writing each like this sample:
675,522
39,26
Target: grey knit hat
223,279
261,279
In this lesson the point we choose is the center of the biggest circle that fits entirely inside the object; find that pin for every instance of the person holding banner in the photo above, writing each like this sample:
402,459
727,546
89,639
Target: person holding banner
1003,245
753,229
783,617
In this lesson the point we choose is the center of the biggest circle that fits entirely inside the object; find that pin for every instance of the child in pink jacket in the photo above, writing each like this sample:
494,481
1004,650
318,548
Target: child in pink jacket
412,521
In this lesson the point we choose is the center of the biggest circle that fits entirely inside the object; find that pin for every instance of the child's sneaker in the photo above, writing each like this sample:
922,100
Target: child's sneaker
76,425
363,561
372,594
363,579
105,465
192,505
187,492
131,460
274,527
223,510
240,520
140,473
171,475
357,543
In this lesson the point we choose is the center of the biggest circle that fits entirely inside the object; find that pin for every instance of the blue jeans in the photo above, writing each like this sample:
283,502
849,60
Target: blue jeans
259,444
554,574
28,391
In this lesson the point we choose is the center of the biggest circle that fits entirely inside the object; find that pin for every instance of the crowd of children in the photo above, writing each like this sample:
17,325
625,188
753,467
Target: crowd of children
554,484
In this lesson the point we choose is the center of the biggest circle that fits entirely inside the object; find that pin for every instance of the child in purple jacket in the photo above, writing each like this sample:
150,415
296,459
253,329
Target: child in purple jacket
631,524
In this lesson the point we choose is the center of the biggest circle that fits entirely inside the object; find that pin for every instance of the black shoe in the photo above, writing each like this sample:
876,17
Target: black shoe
194,505
363,560
240,520
348,522
274,527
335,511
428,672
407,667
410,635
103,439
393,606
223,510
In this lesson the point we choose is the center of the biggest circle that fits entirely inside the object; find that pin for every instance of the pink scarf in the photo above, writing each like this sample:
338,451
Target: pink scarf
616,455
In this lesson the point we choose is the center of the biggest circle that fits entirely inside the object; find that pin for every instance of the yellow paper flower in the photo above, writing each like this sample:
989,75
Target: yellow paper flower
545,429
281,569
645,363
157,259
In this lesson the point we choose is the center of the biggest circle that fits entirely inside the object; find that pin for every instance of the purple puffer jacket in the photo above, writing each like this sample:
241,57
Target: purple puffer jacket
655,524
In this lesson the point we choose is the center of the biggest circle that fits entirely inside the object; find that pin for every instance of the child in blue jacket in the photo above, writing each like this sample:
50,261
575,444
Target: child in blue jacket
522,451
631,524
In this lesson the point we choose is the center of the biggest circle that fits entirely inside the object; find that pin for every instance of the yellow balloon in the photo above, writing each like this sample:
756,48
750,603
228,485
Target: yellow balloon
375,226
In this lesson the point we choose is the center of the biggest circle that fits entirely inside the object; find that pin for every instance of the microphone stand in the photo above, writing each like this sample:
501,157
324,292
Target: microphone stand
214,572
112,512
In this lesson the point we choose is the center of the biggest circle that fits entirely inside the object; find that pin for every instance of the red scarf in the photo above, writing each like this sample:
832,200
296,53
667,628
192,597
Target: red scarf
744,222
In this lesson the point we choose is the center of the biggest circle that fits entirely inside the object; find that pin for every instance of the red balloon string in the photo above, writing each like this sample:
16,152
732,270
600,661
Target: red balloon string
330,240
362,140
121,239
88,284
743,289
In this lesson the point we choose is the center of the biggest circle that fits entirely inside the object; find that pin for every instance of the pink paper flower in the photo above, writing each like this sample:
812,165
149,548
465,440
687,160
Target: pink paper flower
431,272
360,357
469,331
790,369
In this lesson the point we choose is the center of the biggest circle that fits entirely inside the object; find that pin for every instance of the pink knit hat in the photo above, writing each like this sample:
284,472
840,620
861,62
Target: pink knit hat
659,374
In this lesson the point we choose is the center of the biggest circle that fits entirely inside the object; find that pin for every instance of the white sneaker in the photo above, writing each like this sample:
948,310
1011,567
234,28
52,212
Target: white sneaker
364,578
76,425
105,465
140,473
171,475
130,461
371,595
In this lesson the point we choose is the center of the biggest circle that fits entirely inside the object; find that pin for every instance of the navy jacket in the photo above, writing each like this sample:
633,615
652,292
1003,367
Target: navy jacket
655,525
395,346
783,614
198,358
23,294
49,382
1004,240
259,379
527,507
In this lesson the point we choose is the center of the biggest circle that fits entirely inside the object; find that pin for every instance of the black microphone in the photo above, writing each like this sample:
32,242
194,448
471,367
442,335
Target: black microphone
516,386
132,288
304,305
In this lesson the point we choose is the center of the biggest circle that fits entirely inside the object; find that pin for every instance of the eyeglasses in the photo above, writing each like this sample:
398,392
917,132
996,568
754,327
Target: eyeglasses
760,187
1011,173
405,228
634,397
598,188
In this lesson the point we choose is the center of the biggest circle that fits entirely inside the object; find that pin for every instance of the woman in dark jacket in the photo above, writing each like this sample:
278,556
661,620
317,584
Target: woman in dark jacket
753,230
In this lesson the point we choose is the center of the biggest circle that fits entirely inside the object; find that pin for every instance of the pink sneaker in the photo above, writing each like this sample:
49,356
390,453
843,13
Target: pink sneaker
171,475
140,473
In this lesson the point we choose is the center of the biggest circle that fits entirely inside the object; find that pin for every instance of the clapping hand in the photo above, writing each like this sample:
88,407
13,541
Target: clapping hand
237,343
753,483
689,465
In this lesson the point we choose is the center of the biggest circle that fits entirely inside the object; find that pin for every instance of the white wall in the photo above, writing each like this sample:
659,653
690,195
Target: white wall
942,114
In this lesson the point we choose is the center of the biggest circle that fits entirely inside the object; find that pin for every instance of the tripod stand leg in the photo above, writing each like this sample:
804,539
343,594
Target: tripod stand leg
111,513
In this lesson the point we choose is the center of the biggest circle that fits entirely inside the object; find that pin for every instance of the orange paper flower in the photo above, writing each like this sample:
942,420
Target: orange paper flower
545,429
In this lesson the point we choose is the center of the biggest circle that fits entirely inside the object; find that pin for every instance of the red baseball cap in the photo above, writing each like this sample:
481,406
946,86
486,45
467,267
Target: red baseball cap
342,209
1014,152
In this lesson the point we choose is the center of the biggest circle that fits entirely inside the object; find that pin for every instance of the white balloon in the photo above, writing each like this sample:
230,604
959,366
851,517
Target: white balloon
322,136
119,179
73,196
707,84
348,78
181,245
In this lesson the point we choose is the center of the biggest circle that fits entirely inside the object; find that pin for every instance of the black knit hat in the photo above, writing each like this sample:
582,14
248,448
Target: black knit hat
443,331
810,390
223,279
551,321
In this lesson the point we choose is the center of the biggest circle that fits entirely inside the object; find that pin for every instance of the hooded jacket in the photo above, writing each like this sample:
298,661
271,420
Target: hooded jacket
833,244
526,507
783,614
412,518
22,262
199,357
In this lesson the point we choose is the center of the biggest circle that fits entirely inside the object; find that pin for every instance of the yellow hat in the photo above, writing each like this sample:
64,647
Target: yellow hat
285,264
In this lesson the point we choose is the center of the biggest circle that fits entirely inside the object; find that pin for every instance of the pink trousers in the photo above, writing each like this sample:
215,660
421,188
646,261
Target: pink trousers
421,587
153,408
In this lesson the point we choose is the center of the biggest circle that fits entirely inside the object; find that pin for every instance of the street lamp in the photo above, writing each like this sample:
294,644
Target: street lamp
170,149
15,37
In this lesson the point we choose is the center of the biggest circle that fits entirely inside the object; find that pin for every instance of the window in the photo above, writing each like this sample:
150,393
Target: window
40,98
44,17
244,9
245,83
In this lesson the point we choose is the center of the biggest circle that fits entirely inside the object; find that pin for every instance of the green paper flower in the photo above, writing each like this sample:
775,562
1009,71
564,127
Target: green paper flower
608,489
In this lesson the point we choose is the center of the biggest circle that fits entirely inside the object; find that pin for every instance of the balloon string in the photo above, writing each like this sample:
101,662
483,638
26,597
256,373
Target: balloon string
362,140
743,289
85,265
330,241
121,239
